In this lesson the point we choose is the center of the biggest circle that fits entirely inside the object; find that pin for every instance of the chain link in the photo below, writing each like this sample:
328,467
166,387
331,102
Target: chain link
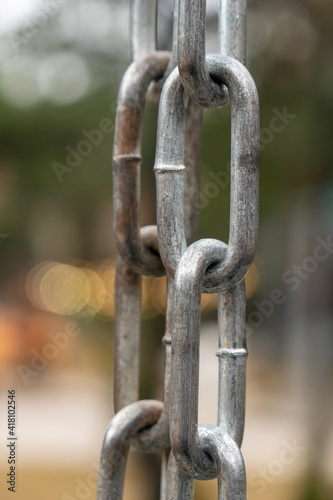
169,172
210,266
192,457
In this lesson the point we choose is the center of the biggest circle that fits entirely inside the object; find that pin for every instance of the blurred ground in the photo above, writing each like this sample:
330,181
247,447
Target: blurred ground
63,413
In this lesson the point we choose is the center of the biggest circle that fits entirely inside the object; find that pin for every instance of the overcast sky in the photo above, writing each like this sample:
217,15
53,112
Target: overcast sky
13,14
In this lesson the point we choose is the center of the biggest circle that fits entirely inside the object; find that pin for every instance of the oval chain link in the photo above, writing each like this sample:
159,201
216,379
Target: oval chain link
192,456
169,172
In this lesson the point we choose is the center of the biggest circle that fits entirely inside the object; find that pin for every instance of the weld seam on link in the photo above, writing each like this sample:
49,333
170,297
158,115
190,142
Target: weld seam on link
231,353
165,169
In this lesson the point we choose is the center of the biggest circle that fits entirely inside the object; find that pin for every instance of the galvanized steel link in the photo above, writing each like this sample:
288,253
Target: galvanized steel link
169,173
185,441
139,248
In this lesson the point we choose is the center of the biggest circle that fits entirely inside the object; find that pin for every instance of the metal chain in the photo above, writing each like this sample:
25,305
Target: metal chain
138,249
210,266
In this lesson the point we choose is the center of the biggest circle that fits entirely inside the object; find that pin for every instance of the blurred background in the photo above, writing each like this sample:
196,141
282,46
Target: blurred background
61,63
